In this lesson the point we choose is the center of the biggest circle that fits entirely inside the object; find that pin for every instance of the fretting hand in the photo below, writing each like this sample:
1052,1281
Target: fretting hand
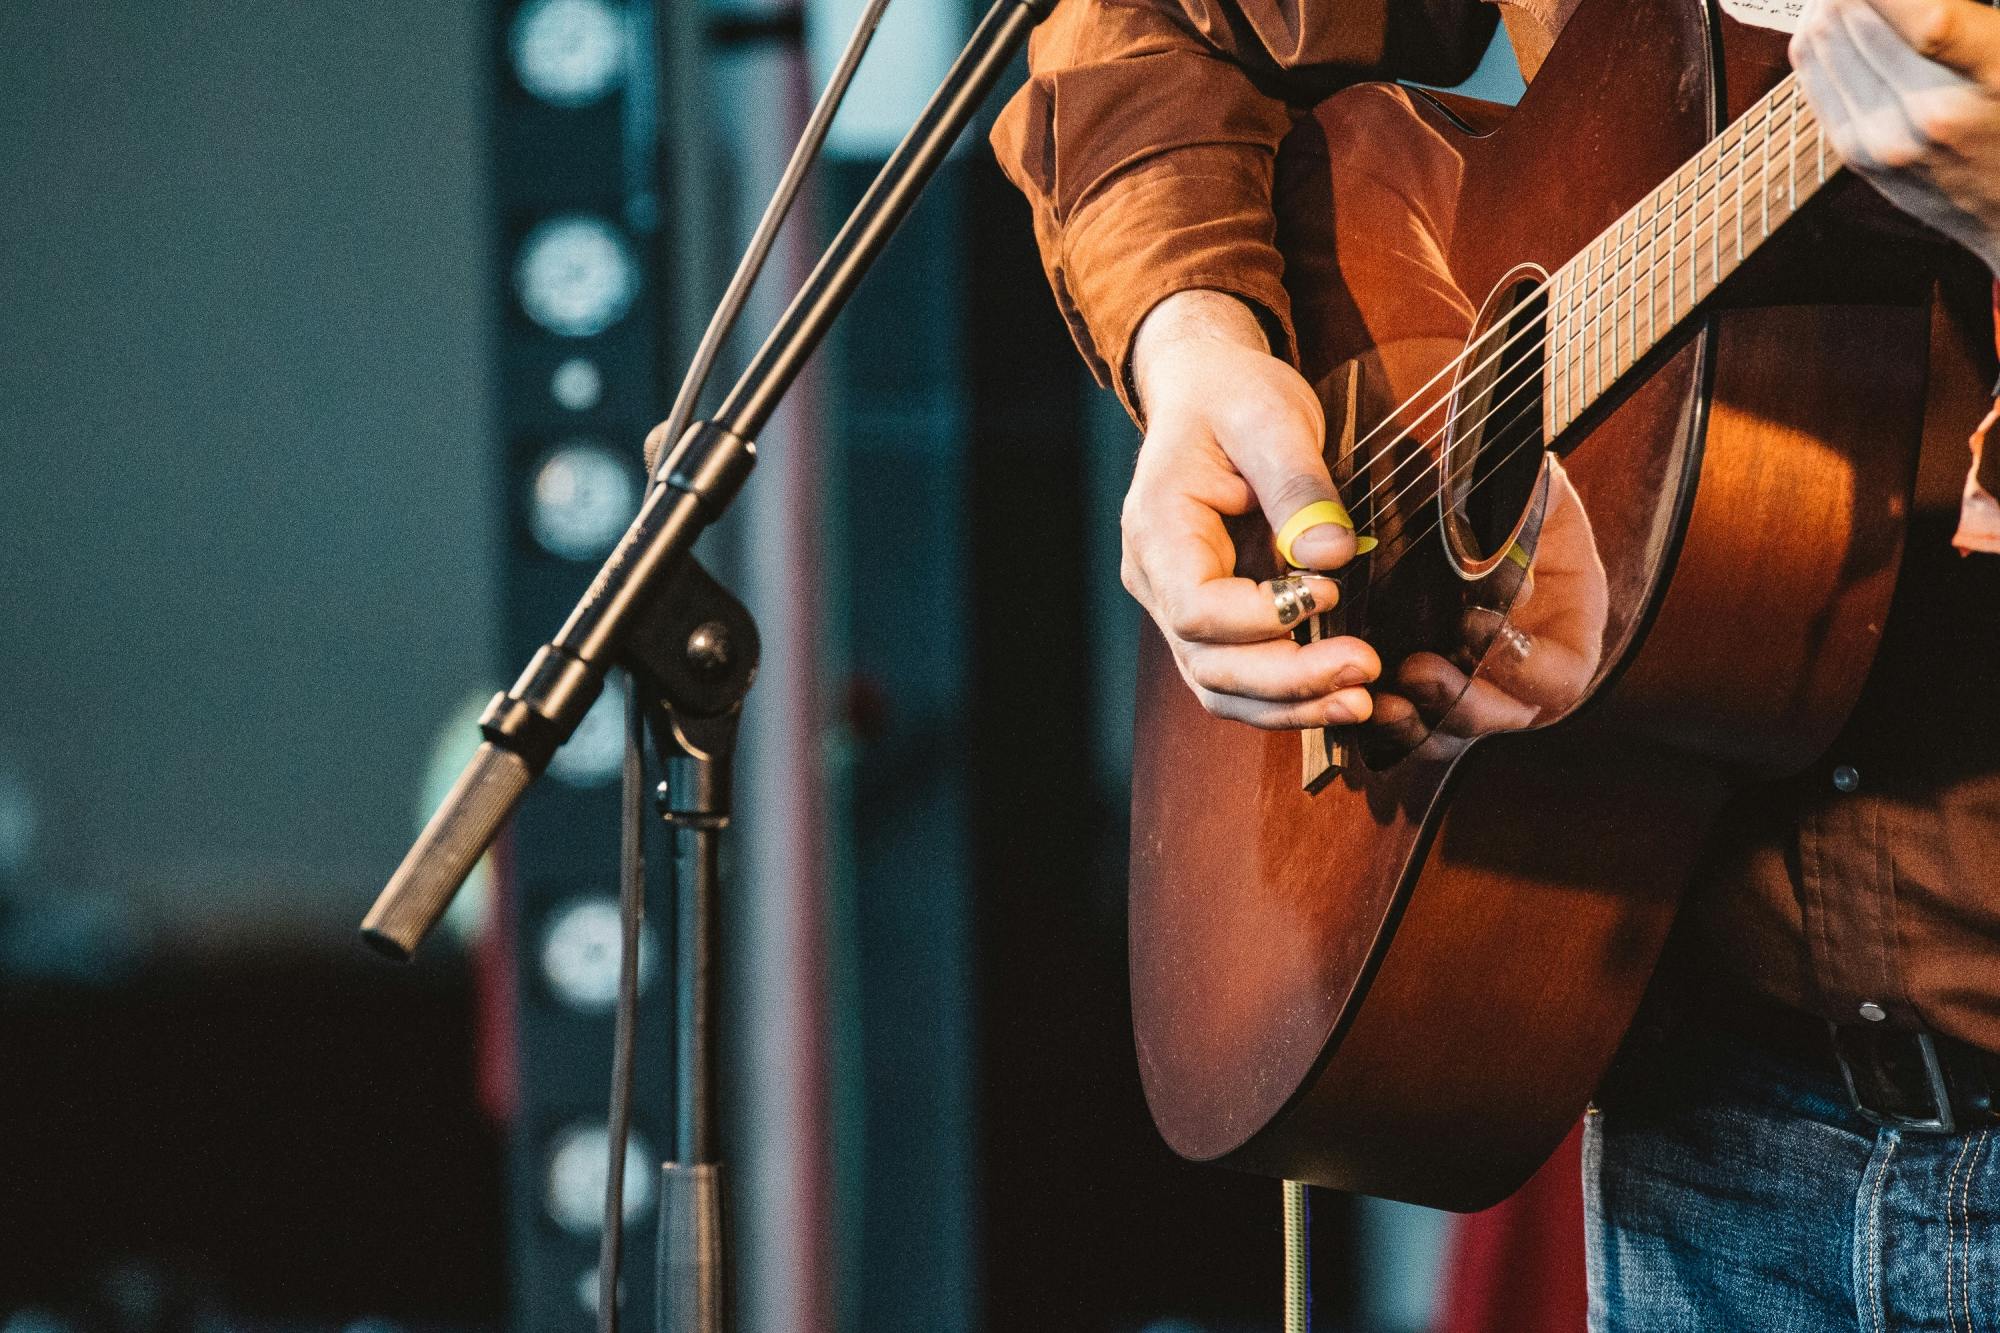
1909,93
1231,428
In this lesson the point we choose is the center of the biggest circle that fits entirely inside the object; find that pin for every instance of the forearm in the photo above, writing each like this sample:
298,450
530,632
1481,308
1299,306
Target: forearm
1193,316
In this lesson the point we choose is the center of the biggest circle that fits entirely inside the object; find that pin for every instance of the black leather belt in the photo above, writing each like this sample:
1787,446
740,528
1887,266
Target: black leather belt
1920,1082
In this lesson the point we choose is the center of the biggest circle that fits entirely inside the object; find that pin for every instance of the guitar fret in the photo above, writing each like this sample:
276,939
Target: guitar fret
1607,311
1694,247
1561,311
1653,275
1570,351
1617,274
1631,268
1673,247
1558,312
1597,319
1587,350
1598,302
1715,240
1764,192
1551,347
1791,167
1631,293
1741,167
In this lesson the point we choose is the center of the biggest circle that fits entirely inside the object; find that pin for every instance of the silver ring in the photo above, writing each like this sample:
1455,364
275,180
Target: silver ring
1292,598
1517,642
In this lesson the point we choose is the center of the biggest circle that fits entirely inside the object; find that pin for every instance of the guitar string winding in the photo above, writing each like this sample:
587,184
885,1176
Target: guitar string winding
1593,274
1384,565
1642,233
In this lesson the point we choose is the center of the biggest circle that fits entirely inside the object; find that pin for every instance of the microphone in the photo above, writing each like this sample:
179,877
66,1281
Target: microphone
619,621
459,832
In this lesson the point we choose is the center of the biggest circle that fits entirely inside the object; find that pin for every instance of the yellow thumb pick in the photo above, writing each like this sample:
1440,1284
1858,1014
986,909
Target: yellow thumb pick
1314,514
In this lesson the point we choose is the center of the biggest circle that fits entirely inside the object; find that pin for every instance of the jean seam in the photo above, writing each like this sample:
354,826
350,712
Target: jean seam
1874,1252
1951,1231
1965,1216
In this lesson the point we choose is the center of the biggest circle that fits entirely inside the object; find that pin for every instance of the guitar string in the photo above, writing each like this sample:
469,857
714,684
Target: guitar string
1631,280
1714,146
1383,565
1424,450
1395,556
1791,176
1646,233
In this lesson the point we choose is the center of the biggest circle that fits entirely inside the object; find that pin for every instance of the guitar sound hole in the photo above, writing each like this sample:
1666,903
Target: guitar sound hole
1493,449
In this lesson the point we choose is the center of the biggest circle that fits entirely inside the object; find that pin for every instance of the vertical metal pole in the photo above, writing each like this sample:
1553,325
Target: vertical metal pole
697,846
693,1235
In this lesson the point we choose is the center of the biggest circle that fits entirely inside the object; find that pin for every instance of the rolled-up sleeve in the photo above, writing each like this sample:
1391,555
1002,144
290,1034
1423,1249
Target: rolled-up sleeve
1145,140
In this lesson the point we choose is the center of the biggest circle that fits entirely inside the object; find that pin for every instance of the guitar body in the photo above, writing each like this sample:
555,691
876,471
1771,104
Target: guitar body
1401,968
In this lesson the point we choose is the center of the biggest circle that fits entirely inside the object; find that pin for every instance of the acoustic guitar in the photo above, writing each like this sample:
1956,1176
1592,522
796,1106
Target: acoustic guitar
1636,429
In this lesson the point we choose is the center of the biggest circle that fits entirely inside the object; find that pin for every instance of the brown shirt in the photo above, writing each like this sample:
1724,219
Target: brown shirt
1146,140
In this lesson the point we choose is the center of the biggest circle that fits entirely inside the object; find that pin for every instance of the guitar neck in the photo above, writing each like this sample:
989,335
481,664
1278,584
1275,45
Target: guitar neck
1647,272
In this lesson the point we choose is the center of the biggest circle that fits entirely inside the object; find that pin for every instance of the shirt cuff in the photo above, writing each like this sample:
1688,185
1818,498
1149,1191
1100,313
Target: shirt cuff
1194,217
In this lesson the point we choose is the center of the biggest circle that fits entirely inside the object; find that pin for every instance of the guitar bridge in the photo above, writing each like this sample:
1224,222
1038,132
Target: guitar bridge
1324,753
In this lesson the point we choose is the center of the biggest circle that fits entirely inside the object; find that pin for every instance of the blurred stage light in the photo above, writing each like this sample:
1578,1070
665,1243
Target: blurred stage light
36,1321
577,384
582,498
574,1188
569,53
580,955
594,755
576,276
586,1289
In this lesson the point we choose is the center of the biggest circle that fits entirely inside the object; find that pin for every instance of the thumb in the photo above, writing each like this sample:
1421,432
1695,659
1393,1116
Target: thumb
1281,460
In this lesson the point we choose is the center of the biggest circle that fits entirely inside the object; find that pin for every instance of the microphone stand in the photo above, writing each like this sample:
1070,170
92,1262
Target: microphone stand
700,658
693,486
692,650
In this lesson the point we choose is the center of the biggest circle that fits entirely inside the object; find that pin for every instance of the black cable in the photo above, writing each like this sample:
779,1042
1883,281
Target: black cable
625,1025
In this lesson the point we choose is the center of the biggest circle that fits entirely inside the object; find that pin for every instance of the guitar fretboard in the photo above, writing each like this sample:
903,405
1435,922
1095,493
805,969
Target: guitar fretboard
1613,303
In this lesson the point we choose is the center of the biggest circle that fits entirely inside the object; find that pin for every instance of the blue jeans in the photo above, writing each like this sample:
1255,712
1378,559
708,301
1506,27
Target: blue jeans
1728,1189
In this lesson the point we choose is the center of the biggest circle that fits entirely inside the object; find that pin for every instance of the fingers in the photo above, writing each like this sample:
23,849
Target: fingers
1228,610
1236,610
1485,708
1893,60
1861,113
1958,34
1458,705
1178,563
1195,604
1878,77
1281,671
1336,710
1227,639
